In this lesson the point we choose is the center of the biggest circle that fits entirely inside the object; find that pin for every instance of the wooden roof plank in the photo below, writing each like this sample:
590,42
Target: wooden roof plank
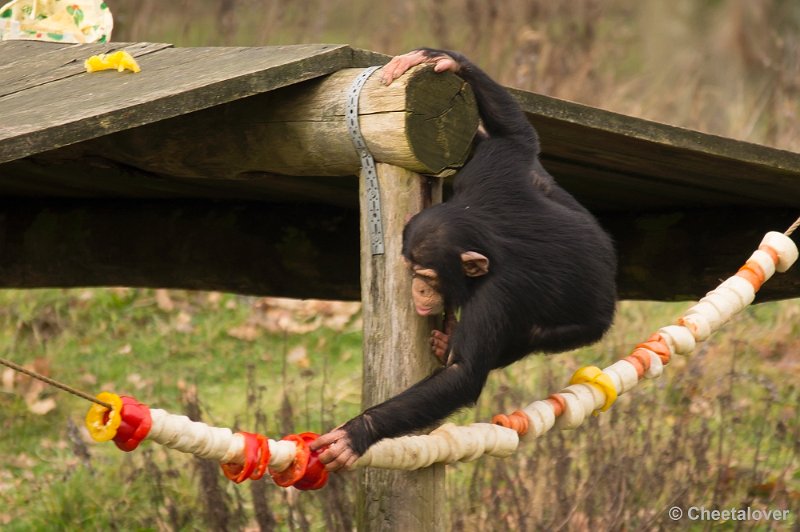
608,189
16,51
93,177
699,175
656,132
61,63
750,173
87,106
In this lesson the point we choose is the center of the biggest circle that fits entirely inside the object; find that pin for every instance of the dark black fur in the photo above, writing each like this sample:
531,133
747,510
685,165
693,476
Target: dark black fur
551,281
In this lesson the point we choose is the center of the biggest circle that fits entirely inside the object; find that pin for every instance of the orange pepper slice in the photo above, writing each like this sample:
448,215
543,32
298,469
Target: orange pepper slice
516,420
558,403
657,345
752,273
769,250
643,357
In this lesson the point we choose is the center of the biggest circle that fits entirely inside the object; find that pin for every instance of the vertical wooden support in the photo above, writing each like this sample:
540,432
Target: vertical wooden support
396,355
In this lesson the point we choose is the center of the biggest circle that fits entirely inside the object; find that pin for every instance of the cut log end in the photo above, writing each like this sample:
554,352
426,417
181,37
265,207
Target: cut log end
442,120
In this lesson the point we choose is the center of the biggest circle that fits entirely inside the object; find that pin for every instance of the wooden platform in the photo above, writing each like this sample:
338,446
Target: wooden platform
78,207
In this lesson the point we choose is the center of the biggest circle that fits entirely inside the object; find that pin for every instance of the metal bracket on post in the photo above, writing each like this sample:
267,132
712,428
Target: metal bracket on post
367,162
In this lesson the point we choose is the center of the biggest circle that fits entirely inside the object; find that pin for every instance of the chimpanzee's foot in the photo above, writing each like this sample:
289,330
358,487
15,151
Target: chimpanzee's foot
439,343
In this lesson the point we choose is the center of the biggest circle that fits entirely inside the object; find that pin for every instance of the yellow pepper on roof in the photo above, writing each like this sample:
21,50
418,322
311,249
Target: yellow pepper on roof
120,60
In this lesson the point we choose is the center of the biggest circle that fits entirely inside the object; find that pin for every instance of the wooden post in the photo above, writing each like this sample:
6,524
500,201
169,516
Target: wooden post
396,355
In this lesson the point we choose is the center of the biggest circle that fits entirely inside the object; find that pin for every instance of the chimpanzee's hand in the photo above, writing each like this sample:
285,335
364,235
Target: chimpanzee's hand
339,453
401,63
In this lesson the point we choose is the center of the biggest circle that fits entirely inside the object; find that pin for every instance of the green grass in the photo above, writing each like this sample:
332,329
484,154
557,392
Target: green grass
719,428
120,340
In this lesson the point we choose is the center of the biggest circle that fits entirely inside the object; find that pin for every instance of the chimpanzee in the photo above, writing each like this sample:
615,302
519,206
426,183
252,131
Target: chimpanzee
524,266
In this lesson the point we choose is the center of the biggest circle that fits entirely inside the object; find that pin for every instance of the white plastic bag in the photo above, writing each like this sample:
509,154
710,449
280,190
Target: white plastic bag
68,21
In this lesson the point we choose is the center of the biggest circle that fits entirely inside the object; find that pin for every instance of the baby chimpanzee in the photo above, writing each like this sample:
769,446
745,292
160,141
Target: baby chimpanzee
524,264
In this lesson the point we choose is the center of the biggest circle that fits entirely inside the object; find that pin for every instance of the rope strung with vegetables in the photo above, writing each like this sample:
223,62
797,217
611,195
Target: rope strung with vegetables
593,390
242,455
290,462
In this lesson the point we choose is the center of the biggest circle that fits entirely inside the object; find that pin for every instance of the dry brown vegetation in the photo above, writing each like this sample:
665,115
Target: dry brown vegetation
730,67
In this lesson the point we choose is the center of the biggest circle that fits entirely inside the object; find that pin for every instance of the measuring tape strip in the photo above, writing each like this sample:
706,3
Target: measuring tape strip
367,162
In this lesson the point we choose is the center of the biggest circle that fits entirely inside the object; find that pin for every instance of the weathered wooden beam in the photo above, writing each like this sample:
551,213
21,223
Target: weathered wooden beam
277,249
615,160
250,248
97,178
396,355
681,255
424,122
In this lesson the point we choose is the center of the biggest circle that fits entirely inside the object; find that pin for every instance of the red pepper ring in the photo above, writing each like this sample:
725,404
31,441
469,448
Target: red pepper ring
241,472
144,429
134,426
297,468
232,471
316,476
263,457
251,452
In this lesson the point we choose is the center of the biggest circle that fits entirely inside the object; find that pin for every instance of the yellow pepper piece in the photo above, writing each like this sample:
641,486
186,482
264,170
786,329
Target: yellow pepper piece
120,60
594,376
102,428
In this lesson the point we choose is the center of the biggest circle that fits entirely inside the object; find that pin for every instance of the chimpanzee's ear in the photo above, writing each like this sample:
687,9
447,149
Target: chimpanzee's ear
474,264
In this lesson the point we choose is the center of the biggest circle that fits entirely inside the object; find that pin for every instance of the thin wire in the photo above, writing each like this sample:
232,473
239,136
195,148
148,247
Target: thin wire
57,384
791,229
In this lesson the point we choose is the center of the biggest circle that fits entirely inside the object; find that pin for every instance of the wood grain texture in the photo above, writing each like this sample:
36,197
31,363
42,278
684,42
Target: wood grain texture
24,70
174,133
424,122
173,81
245,247
396,355
597,153
254,247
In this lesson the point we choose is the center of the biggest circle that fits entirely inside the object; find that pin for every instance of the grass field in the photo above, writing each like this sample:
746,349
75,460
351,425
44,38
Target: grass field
720,429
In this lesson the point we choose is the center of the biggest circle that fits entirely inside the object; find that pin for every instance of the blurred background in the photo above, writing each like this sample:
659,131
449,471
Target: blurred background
729,67
719,430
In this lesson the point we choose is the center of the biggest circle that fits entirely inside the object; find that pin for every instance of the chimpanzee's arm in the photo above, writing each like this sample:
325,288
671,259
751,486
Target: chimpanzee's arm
501,114
422,405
